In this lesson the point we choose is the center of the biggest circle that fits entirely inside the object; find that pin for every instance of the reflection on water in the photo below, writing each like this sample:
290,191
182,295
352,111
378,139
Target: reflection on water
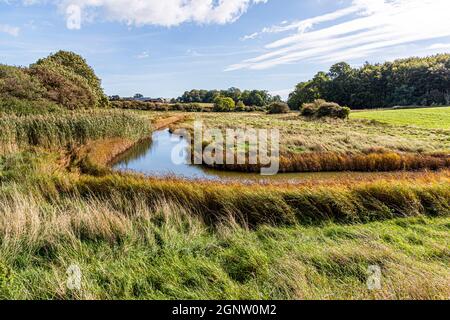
153,157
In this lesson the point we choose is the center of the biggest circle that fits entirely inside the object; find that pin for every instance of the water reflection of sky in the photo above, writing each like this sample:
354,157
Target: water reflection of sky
156,158
153,157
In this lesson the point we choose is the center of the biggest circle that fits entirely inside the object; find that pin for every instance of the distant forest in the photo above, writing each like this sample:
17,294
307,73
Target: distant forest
412,81
258,98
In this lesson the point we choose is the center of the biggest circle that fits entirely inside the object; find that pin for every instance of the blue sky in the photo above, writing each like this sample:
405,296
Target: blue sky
162,48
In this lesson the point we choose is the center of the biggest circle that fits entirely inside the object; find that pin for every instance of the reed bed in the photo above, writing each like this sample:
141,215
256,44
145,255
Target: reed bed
336,162
55,131
254,205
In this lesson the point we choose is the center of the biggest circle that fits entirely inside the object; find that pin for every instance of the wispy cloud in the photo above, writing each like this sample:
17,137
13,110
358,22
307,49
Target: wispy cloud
143,55
12,31
439,46
150,12
370,26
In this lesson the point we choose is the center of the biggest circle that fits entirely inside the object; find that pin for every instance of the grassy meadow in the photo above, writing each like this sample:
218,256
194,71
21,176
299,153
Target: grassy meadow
428,118
135,237
346,145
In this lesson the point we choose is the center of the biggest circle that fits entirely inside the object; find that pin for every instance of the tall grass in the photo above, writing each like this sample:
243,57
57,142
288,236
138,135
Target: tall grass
281,205
127,250
60,130
335,162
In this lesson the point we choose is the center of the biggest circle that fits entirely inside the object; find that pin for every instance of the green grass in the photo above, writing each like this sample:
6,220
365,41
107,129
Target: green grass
167,253
428,118
60,130
354,136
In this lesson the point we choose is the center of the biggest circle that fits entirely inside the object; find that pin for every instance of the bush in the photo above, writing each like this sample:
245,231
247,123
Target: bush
77,65
222,104
308,110
65,88
240,106
18,83
278,108
321,108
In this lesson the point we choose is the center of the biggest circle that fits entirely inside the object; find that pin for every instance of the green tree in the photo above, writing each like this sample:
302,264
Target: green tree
77,75
223,104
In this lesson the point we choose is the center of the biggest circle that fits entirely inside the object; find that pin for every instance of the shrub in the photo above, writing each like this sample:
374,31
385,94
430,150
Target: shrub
327,109
278,107
240,106
321,108
65,88
342,112
222,104
18,83
70,81
77,65
308,110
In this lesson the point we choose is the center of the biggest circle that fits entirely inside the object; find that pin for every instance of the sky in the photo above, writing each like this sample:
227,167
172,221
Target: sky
163,48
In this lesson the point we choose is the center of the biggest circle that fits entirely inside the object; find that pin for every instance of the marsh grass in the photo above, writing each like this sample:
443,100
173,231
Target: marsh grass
60,130
340,145
282,205
168,252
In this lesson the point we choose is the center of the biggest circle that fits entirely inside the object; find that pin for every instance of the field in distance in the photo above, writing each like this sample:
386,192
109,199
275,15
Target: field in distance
429,118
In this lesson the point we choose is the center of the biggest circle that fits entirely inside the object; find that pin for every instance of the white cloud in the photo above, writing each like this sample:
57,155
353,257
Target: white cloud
12,31
439,46
160,12
283,93
143,55
370,27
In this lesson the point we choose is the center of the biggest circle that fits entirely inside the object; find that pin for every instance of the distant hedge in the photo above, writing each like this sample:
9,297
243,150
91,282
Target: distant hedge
184,107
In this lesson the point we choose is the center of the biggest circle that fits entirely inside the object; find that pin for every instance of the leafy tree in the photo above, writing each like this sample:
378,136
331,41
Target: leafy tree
73,65
18,83
223,104
412,81
64,87
259,98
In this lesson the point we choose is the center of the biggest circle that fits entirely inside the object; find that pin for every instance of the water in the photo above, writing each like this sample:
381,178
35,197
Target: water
153,157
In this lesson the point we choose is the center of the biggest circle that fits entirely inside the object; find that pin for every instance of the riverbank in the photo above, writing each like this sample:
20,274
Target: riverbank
134,237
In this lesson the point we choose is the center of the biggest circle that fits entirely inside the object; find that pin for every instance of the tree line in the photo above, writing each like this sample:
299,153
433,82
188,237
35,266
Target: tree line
259,98
412,81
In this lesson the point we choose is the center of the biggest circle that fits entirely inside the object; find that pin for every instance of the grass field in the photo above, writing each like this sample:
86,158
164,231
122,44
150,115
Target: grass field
300,135
342,145
135,237
428,118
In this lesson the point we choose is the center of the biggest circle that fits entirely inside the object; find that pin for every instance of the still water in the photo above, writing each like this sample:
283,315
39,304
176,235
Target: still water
153,157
